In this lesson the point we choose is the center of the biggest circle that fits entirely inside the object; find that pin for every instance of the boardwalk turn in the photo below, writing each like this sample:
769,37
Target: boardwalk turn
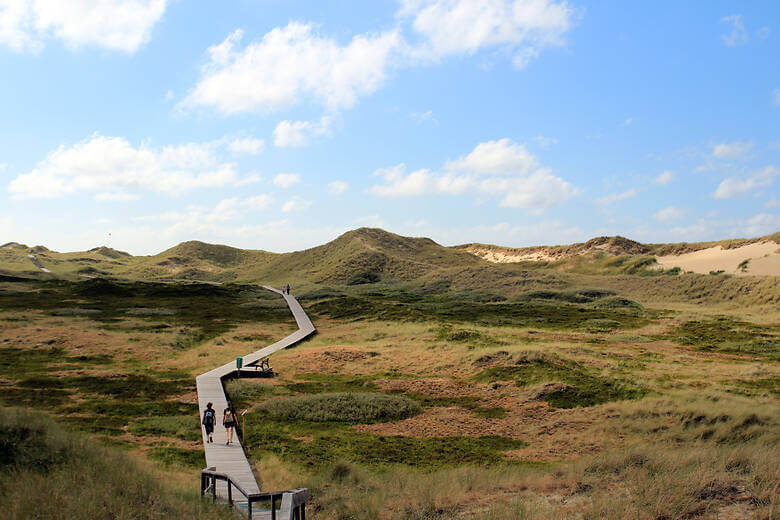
232,460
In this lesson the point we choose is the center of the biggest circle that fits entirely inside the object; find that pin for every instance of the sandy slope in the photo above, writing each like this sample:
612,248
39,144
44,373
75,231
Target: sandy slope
764,260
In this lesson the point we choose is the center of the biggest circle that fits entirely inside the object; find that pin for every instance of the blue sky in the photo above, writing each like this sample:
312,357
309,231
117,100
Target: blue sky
279,125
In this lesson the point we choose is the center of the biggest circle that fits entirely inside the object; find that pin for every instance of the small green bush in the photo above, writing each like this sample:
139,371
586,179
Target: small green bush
342,407
245,393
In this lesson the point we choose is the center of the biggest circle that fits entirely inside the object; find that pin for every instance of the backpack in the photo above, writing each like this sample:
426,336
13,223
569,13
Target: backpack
208,417
228,416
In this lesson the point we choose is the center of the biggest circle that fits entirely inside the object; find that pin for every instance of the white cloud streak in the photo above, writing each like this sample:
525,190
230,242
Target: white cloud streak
731,150
295,204
669,214
738,33
246,146
664,178
734,187
287,180
299,133
337,187
615,197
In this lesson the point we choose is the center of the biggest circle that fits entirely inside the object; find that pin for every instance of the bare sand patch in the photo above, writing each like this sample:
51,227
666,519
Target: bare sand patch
763,257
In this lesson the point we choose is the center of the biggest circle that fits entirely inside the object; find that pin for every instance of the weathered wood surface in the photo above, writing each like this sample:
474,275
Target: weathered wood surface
231,459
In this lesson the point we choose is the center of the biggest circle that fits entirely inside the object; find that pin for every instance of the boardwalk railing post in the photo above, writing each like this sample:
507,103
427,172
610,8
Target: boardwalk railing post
249,508
230,492
214,488
273,507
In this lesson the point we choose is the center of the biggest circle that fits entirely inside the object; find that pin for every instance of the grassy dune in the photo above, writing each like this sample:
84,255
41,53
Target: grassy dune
468,390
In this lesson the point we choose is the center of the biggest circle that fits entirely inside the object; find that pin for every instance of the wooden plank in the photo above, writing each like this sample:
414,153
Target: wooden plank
231,459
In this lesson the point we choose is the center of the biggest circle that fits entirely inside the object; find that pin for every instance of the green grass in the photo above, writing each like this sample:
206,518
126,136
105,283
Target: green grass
404,303
582,386
120,386
728,335
200,311
169,456
315,383
186,427
467,402
331,444
762,385
353,408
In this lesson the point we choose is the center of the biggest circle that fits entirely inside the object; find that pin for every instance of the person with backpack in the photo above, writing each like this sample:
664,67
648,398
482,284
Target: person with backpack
229,421
208,421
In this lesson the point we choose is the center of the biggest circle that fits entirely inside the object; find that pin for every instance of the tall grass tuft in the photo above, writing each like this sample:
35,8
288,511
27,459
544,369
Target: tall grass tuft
50,473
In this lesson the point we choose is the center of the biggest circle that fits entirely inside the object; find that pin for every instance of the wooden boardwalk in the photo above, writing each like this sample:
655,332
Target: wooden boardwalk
232,460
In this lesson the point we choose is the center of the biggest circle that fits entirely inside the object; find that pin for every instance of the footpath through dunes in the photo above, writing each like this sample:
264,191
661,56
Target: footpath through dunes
231,459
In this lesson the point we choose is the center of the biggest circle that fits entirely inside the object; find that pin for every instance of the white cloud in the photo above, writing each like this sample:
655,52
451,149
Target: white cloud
772,203
298,133
628,121
422,117
295,204
112,165
337,187
761,224
763,32
668,214
545,142
614,197
289,64
535,192
664,178
116,196
120,25
731,150
493,170
293,63
738,186
738,33
776,97
502,157
249,179
521,27
258,202
246,145
286,180
398,184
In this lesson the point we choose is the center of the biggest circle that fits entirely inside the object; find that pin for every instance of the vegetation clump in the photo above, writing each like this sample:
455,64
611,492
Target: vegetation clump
342,407
582,387
727,335
244,393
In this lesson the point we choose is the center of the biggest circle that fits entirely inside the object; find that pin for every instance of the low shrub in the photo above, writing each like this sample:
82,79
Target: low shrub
342,407
243,393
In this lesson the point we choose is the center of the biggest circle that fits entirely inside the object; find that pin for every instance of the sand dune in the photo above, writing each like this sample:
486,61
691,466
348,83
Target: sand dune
764,259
